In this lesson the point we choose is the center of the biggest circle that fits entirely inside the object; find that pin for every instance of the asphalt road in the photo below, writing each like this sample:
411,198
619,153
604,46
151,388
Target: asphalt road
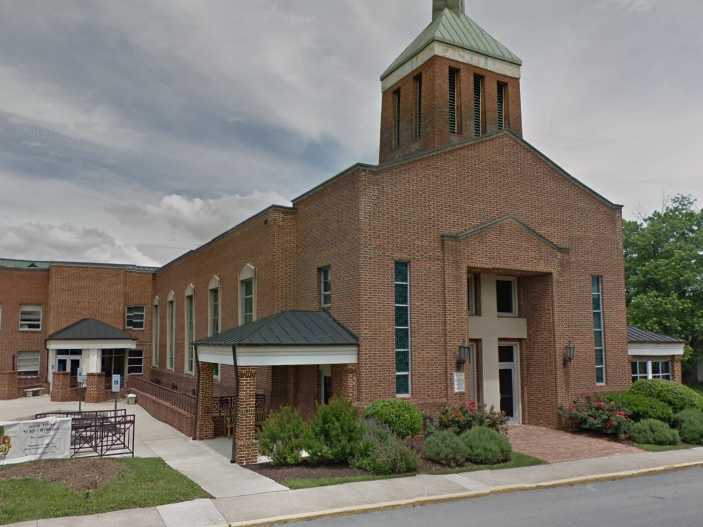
669,500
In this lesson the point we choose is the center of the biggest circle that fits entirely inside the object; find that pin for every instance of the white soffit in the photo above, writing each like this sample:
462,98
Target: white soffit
279,355
655,350
90,344
453,53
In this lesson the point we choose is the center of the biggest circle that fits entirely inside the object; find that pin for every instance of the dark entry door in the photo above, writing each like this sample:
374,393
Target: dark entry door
113,363
507,395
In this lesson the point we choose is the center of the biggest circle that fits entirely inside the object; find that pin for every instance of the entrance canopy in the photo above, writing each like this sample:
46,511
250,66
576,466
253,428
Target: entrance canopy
290,338
90,334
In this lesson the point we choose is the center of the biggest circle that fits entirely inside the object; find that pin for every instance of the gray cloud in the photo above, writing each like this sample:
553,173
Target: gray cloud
189,116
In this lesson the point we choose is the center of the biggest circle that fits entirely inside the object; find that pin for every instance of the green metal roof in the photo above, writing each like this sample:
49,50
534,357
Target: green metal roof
459,30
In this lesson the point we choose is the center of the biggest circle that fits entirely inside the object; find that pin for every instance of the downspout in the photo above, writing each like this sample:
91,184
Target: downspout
235,417
197,393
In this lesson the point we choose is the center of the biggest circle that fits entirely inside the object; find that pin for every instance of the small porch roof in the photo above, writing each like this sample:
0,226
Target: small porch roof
90,334
647,343
285,339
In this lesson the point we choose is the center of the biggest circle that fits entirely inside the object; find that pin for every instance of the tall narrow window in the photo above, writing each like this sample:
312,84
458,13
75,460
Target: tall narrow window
473,294
156,337
454,102
396,119
247,304
502,100
325,287
402,328
598,327
478,105
190,331
214,328
418,107
171,341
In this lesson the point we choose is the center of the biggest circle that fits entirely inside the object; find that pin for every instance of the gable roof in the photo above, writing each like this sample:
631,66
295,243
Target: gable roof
458,30
90,329
499,221
642,336
289,328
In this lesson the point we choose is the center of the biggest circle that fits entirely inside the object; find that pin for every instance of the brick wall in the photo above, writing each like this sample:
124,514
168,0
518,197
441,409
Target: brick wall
177,418
435,108
8,385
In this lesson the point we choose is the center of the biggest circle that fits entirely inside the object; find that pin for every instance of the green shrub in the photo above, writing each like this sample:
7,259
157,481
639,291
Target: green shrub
446,448
653,432
335,433
402,417
486,446
690,425
283,437
381,452
677,396
459,419
641,407
596,415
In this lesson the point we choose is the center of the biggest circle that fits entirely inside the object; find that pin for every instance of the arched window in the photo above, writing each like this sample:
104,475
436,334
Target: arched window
214,313
171,334
156,334
247,294
189,319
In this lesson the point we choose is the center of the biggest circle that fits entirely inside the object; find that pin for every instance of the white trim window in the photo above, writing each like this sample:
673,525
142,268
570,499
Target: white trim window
402,329
135,317
28,363
651,369
598,328
171,331
189,331
247,294
214,316
472,289
156,336
506,296
325,287
135,362
31,317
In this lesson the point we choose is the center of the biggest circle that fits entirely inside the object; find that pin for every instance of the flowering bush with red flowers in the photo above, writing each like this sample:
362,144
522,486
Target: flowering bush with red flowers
597,415
459,419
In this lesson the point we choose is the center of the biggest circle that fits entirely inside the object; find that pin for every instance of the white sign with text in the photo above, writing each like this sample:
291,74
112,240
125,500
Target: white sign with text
23,441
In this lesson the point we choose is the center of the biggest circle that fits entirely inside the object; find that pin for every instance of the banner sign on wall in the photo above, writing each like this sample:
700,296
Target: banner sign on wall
23,441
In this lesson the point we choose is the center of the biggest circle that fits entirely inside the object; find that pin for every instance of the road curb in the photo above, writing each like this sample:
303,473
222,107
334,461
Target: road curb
444,498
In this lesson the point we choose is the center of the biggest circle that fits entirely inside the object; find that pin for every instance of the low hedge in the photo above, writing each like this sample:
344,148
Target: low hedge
677,396
486,446
283,437
335,433
654,432
446,448
402,417
640,407
690,425
381,452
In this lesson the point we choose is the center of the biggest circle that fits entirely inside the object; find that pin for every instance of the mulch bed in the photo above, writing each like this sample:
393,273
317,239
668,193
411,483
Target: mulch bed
281,474
76,474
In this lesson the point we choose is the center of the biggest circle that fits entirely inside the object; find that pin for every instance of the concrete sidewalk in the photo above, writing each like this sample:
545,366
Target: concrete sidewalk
373,495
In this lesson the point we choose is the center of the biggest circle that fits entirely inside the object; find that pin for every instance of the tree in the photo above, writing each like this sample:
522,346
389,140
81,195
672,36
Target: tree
664,268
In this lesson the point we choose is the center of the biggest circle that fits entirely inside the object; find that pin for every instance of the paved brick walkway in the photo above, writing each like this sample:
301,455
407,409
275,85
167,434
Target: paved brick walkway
554,446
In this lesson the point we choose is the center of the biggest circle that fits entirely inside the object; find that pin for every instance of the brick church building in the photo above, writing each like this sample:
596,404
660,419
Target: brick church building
466,265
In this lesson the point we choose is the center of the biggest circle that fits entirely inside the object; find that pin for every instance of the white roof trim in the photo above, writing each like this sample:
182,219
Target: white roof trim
91,344
279,355
452,53
636,349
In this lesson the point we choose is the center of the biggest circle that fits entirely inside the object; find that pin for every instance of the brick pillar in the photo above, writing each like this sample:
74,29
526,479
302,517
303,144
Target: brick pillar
205,427
61,387
95,391
677,374
8,385
344,381
245,428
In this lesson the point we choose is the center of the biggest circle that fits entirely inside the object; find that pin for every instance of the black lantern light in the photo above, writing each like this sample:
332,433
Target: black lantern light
569,353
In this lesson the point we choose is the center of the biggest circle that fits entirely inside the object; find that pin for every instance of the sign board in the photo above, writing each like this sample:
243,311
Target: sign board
23,441
116,383
459,382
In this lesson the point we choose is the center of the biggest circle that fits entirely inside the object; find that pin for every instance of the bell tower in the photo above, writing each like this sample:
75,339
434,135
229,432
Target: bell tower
454,82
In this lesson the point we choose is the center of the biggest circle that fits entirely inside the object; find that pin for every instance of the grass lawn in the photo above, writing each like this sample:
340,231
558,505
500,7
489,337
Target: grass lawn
518,460
131,483
664,448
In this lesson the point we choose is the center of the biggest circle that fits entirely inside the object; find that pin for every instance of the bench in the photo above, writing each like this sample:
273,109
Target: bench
32,392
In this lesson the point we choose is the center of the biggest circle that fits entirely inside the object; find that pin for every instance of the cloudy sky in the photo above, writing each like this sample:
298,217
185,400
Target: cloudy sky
132,131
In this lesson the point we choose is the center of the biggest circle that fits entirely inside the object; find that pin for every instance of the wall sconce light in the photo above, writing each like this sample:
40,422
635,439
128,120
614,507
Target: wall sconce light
569,353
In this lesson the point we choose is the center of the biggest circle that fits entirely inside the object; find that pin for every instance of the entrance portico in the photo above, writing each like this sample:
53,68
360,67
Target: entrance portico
292,343
92,347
